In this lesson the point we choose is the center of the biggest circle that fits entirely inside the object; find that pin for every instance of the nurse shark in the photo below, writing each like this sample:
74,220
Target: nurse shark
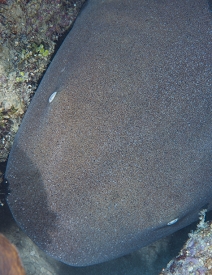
115,149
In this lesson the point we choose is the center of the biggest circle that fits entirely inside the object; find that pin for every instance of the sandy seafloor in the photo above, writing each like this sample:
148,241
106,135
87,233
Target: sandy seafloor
147,261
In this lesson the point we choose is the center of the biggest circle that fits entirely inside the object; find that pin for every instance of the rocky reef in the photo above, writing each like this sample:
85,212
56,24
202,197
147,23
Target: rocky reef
10,262
196,255
29,30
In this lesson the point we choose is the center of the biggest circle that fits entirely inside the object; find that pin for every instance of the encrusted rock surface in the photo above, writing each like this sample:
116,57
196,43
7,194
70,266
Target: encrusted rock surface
28,32
10,262
195,258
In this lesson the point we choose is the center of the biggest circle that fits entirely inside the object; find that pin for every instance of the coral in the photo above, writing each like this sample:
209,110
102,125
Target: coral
196,255
10,262
29,30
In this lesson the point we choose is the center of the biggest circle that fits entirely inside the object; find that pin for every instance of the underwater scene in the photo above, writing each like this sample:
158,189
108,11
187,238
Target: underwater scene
149,260
106,137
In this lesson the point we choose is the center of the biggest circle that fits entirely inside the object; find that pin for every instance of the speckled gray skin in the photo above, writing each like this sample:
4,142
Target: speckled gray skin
125,147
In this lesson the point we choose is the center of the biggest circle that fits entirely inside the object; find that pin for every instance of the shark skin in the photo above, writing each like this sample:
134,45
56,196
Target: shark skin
115,149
